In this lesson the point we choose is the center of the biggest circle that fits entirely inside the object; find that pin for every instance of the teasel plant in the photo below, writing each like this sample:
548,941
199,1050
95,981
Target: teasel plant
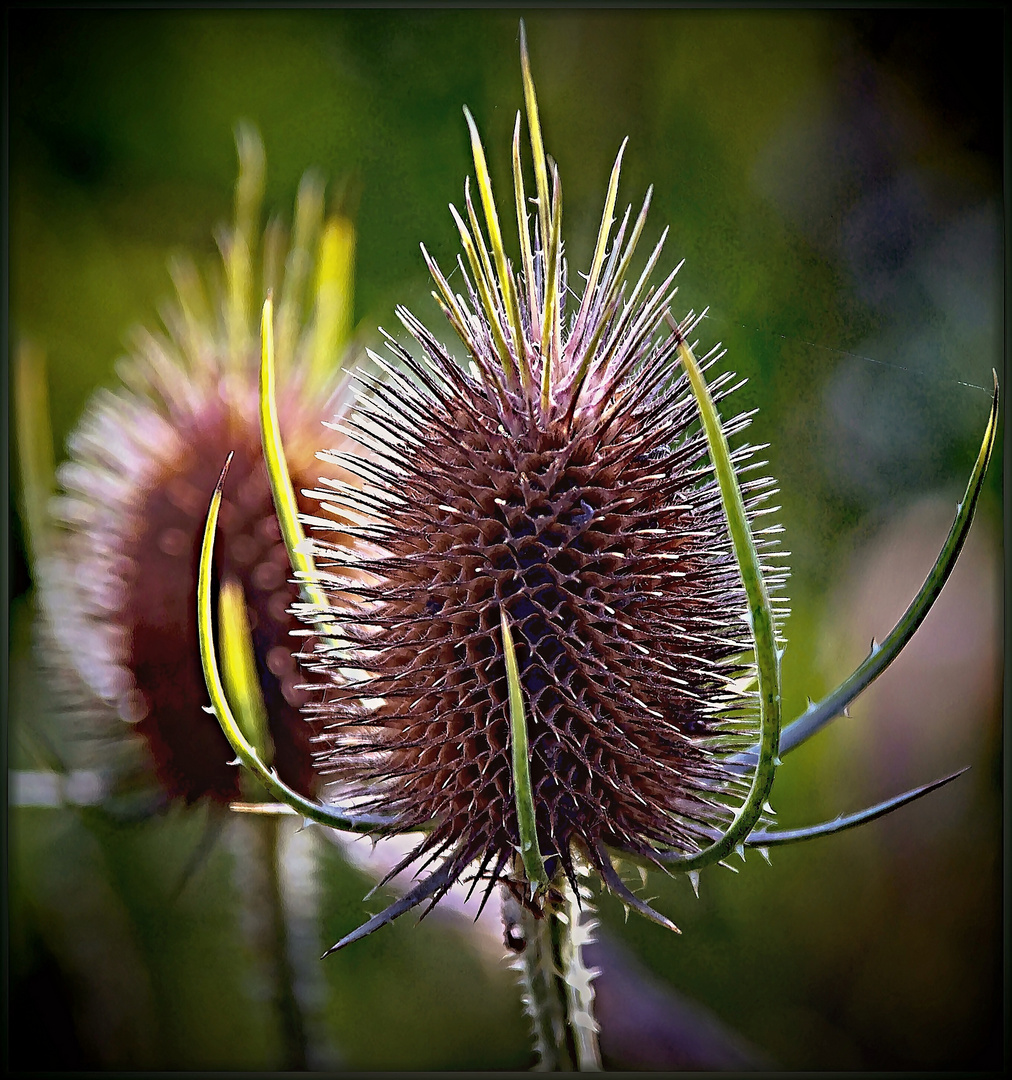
546,613
115,552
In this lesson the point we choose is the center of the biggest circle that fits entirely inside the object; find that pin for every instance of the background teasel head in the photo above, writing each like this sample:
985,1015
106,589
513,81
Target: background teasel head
118,578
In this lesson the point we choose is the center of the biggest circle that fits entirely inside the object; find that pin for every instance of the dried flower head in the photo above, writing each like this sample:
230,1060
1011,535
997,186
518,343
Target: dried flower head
557,491
119,583
555,638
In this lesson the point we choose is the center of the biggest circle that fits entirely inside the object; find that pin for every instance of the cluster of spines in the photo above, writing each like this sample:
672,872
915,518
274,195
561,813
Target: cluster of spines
407,421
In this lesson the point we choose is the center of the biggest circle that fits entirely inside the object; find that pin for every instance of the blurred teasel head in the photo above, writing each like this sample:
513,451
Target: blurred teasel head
119,577
547,503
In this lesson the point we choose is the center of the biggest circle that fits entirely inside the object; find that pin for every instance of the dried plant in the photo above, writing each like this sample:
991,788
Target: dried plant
543,608
116,553
117,565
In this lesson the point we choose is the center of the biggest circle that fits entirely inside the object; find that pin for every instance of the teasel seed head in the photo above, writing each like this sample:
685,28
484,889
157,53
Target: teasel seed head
542,610
555,492
119,579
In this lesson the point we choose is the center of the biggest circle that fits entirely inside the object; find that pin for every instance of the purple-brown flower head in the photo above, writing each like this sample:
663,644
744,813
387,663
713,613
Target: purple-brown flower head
557,480
120,583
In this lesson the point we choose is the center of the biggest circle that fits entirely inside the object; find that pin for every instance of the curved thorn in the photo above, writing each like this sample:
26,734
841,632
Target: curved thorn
816,718
609,875
767,655
530,851
332,816
850,821
440,880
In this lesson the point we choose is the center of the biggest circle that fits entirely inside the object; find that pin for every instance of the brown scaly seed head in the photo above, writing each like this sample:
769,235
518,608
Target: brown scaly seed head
562,479
119,587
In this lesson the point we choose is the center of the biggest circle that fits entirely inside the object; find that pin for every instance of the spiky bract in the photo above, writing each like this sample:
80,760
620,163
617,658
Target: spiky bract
563,480
119,585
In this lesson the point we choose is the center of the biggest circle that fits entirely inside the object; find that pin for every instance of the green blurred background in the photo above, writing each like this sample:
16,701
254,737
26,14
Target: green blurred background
833,180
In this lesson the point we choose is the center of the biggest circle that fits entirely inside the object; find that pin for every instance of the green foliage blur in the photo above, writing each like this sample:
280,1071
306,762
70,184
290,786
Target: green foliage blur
833,181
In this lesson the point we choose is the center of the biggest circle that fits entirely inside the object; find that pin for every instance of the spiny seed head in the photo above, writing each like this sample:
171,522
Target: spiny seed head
121,582
561,478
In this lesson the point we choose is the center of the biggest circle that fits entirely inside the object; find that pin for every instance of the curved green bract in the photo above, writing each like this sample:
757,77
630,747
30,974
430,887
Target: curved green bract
881,656
782,837
767,655
247,754
285,506
850,821
530,852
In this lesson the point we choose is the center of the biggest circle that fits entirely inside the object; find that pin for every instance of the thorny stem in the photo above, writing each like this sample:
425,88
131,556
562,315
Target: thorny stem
556,985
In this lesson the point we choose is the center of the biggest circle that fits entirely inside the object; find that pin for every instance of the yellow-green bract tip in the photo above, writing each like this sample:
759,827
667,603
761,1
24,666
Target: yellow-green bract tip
537,146
285,505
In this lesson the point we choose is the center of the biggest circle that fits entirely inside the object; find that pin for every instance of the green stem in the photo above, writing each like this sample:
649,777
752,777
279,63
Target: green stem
286,1004
557,989
572,936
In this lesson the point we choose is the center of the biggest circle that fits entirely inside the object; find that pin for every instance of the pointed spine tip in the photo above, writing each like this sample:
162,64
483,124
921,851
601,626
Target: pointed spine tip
224,472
